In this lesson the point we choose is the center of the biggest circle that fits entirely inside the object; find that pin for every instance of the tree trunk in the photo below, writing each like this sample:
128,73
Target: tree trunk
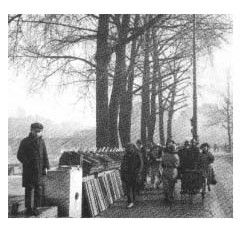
152,122
229,118
102,60
171,111
145,107
161,109
195,118
127,98
119,83
229,134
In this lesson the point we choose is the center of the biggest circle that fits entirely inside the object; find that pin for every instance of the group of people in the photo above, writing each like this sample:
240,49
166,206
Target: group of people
151,165
140,163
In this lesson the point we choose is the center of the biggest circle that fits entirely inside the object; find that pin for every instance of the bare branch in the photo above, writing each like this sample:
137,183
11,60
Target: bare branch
12,18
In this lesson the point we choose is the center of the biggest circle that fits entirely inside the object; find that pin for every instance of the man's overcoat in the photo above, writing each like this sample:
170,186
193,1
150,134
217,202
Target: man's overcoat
33,155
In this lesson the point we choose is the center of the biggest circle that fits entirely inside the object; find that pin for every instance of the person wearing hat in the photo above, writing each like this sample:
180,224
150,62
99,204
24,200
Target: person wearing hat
183,155
206,159
33,155
130,171
144,164
170,163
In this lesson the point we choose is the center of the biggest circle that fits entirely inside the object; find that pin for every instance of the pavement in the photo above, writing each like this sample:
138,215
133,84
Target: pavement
218,202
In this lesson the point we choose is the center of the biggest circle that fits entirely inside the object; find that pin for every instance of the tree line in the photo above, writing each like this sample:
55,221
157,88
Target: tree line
125,57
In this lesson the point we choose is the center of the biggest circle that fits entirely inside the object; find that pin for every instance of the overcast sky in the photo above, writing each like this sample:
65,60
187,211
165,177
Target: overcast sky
61,107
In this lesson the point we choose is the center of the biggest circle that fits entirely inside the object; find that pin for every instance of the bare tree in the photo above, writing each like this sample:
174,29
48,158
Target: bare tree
92,51
222,115
127,97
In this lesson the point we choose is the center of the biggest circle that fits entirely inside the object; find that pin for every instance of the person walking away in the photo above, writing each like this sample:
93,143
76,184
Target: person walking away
170,163
206,160
130,169
183,155
140,179
193,155
33,155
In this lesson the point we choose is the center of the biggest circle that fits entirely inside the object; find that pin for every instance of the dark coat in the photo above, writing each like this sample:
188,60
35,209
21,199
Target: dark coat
189,158
130,167
183,155
145,159
33,155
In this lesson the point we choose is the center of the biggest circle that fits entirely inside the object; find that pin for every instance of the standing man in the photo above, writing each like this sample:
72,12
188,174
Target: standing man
130,170
183,155
144,165
32,154
194,155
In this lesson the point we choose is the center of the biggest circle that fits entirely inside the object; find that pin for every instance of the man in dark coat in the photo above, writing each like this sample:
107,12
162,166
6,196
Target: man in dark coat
192,160
143,155
32,154
183,155
130,171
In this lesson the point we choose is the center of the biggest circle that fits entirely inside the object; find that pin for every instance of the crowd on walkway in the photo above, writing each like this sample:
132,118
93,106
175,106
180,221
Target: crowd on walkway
150,165
141,165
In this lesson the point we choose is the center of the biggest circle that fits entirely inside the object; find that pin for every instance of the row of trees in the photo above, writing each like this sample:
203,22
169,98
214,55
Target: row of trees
125,57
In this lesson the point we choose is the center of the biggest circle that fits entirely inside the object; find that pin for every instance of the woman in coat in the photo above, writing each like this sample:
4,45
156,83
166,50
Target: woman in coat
170,163
131,169
205,164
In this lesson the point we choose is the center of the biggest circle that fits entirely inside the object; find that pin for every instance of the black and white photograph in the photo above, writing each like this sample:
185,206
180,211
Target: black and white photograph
120,115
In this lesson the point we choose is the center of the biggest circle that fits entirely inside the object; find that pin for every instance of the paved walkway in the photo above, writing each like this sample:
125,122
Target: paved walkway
218,203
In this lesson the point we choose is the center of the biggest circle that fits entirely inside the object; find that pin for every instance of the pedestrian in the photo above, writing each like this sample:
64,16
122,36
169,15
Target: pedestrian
144,165
205,164
130,172
170,163
32,154
183,155
193,155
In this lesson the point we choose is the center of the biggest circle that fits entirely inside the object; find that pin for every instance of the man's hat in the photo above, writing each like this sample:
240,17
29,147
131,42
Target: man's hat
204,145
36,125
186,143
139,142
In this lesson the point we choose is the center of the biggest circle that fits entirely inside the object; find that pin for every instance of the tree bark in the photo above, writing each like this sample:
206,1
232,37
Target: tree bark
145,107
229,118
161,107
152,119
119,83
127,97
102,60
195,118
229,133
171,110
